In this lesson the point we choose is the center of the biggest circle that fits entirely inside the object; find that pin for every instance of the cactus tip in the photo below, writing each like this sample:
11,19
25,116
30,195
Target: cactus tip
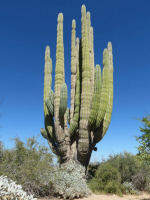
60,17
109,46
73,23
47,51
105,51
83,9
88,15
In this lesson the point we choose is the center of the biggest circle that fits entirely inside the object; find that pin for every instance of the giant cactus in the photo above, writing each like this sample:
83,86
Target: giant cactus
91,96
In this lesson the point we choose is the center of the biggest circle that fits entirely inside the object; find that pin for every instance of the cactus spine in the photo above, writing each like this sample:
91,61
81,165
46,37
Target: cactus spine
91,95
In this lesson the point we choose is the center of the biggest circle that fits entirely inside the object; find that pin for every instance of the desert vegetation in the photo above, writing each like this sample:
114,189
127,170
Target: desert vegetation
121,174
29,168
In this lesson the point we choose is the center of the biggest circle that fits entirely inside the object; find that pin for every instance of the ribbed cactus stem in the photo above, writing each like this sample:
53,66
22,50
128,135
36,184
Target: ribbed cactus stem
47,77
104,91
68,115
85,65
50,103
63,101
88,18
91,46
59,69
96,96
74,123
83,143
73,67
107,117
91,57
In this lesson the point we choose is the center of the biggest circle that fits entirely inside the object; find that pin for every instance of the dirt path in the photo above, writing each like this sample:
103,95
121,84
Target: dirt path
142,196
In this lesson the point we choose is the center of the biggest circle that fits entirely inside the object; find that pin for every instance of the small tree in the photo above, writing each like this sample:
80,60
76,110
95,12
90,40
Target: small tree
144,140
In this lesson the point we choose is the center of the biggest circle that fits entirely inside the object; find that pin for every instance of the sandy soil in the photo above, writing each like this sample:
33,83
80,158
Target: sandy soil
115,197
142,196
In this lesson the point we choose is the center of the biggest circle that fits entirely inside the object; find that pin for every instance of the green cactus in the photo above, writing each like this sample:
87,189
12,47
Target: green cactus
63,101
96,97
50,103
91,95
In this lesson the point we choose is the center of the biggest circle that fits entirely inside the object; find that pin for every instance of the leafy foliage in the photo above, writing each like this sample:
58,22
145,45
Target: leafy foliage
127,165
121,173
141,180
107,179
144,140
28,165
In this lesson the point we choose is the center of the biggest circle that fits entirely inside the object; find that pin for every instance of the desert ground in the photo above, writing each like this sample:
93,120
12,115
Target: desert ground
142,196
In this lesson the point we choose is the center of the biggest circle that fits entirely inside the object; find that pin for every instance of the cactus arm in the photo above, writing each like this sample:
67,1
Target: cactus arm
104,91
48,118
50,140
59,69
88,19
83,142
108,113
91,40
47,78
101,130
68,115
73,67
91,51
96,97
75,121
50,103
63,102
44,133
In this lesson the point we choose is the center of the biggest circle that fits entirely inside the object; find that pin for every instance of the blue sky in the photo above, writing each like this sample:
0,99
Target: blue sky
26,27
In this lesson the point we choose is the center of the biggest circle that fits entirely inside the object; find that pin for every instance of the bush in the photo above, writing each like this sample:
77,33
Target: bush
92,168
127,164
10,190
124,171
28,165
141,180
96,185
69,181
107,172
128,188
107,179
113,187
144,140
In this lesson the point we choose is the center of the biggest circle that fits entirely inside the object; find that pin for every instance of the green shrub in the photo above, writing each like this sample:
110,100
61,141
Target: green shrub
119,170
144,140
107,179
96,185
28,165
128,188
127,164
107,172
141,180
113,187
92,168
